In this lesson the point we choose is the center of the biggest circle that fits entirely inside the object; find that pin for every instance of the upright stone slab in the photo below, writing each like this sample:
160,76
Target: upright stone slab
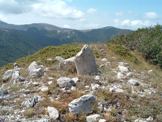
85,62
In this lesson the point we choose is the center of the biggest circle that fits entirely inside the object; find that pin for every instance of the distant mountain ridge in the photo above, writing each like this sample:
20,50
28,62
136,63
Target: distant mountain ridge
20,40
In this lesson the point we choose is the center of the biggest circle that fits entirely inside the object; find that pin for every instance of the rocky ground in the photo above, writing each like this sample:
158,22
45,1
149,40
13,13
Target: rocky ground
82,88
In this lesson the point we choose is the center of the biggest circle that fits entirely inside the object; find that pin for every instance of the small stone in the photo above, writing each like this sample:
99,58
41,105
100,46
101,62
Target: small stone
53,113
31,102
134,82
95,86
82,104
7,75
3,93
50,82
35,70
123,69
104,60
93,118
102,120
44,89
76,79
65,82
116,88
97,77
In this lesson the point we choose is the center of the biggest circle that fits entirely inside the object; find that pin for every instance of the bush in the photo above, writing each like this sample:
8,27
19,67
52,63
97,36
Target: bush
148,41
123,52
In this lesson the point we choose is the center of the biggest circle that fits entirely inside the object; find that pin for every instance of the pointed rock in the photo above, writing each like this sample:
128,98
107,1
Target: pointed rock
85,62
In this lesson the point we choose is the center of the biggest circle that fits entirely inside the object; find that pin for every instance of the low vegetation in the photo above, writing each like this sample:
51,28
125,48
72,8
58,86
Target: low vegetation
147,41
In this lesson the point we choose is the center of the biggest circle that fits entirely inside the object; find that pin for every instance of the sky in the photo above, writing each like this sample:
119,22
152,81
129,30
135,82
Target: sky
83,14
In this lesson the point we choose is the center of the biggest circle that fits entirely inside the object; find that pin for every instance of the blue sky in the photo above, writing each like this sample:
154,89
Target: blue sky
83,14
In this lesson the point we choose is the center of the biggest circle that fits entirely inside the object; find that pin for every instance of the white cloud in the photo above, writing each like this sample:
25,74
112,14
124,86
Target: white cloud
57,9
47,8
151,15
91,10
132,23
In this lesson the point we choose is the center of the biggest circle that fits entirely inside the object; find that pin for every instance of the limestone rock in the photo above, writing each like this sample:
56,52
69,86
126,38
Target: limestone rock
85,62
31,102
7,75
82,104
68,65
102,120
134,82
35,70
93,118
44,89
65,82
53,113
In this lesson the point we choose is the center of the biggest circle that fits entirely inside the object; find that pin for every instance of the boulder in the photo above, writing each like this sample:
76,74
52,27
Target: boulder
65,82
35,70
53,113
93,118
15,76
7,75
82,104
85,62
68,65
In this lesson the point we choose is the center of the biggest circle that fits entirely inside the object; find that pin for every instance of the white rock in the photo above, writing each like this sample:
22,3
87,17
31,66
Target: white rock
102,120
68,65
120,76
129,74
35,70
50,78
123,69
50,82
150,71
85,62
82,104
150,119
76,79
7,75
59,58
116,88
73,88
87,87
31,102
44,89
15,76
95,86
93,118
134,82
140,120
104,60
97,77
53,112
65,82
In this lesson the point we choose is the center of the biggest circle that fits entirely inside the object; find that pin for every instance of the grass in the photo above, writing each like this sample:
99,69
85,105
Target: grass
29,113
